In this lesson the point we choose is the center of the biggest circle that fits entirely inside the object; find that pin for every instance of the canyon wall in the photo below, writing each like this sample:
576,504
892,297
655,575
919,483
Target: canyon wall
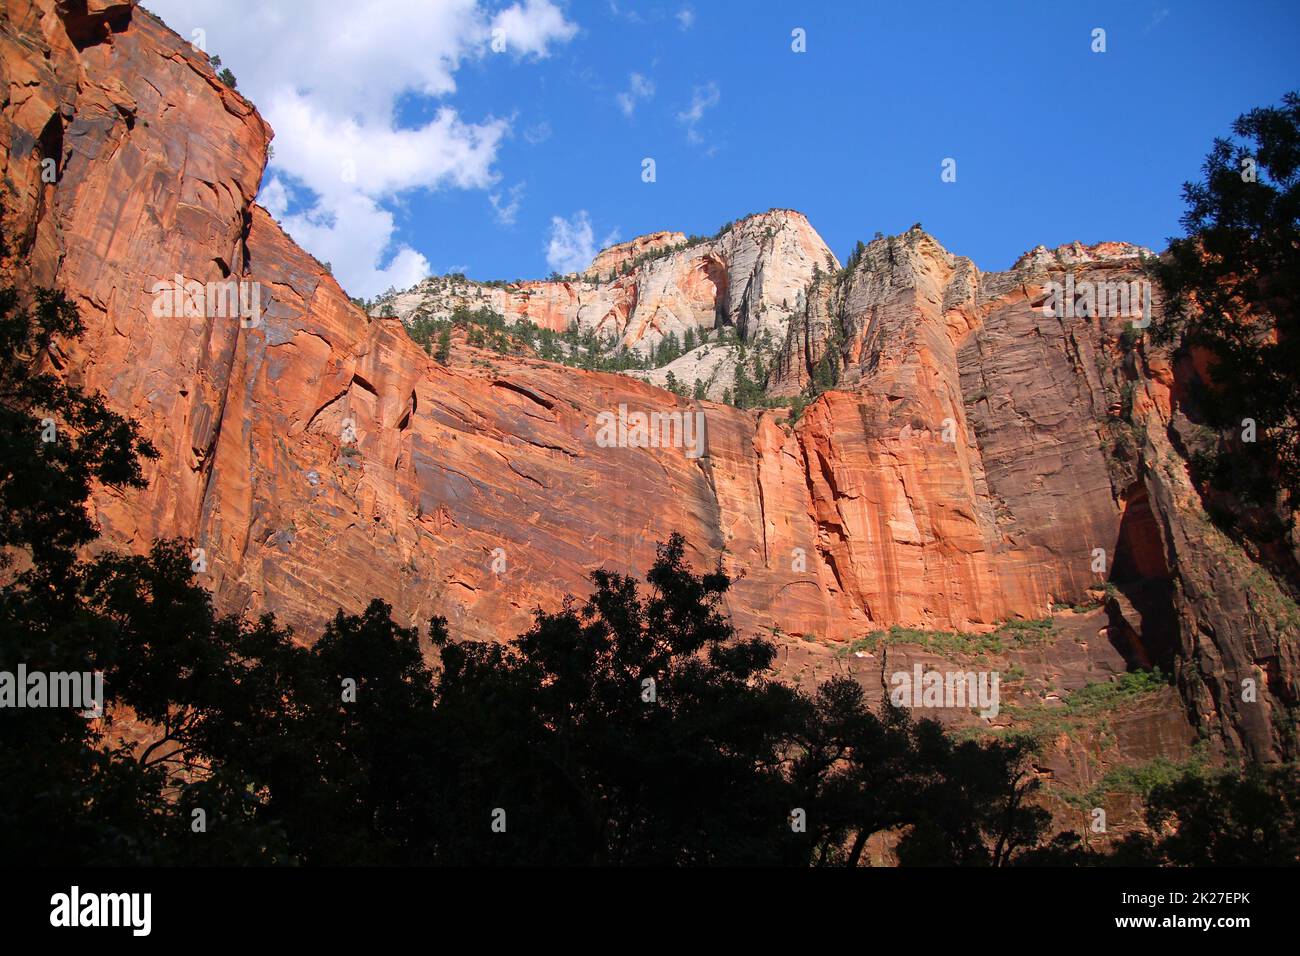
750,277
976,455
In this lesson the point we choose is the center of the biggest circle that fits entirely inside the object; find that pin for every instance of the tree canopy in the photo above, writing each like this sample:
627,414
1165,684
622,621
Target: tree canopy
1232,291
633,728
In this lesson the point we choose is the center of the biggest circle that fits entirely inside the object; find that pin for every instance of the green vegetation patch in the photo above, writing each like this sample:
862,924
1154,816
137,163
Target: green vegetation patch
1140,779
1085,706
1108,695
1008,636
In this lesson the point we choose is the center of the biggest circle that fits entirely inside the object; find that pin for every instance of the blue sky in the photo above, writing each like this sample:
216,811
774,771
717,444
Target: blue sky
1053,142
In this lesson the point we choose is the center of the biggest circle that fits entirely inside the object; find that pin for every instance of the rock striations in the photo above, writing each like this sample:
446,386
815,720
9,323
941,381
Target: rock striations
976,456
750,277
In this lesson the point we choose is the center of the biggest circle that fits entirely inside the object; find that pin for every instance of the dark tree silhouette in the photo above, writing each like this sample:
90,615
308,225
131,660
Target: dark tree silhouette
1229,819
634,728
1232,287
63,796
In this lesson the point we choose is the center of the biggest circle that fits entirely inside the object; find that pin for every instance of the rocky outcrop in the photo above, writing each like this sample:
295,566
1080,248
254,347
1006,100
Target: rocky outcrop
624,254
750,277
977,455
1069,440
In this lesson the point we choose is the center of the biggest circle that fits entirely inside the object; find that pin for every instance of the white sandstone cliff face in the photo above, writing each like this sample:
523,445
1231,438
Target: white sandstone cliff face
712,364
751,276
610,261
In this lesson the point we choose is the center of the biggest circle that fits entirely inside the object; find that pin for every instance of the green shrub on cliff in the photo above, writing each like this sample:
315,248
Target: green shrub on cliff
635,728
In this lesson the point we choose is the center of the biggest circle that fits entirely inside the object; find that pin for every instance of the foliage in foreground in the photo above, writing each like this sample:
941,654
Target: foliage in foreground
1232,289
634,728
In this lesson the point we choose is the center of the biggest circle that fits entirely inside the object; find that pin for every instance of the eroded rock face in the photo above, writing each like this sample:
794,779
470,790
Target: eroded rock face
976,457
750,277
622,254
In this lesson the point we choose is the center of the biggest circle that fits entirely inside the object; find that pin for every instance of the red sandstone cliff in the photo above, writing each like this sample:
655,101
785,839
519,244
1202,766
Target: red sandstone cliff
479,491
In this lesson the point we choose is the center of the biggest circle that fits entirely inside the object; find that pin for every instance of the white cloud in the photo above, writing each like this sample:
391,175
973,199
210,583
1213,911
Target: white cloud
353,228
628,14
1157,18
538,133
506,205
533,27
639,88
274,197
334,155
329,83
703,98
685,18
572,242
